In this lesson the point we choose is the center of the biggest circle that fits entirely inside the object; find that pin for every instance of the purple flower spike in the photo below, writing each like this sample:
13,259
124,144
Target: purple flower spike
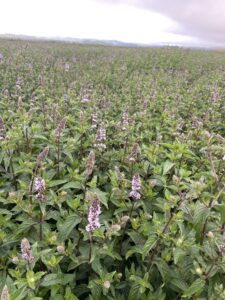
39,185
93,215
136,186
100,137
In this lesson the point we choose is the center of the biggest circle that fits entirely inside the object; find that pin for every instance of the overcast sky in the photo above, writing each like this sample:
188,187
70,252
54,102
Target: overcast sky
189,22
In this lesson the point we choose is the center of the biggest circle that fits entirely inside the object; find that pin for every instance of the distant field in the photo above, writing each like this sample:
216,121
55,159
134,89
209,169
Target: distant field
112,163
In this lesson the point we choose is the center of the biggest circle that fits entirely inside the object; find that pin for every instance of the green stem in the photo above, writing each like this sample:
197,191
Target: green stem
125,227
90,250
12,168
32,183
153,253
58,155
125,148
27,139
41,223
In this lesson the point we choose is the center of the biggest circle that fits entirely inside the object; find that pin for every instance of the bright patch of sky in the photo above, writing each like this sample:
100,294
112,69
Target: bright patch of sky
88,19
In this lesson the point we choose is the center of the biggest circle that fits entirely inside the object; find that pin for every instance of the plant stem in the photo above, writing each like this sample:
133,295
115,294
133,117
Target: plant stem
125,227
153,253
81,145
151,257
90,250
12,168
32,183
210,206
58,154
27,139
41,223
125,148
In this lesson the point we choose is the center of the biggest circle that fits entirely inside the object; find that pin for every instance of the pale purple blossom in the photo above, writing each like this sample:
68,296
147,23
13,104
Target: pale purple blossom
125,121
60,128
215,95
66,97
90,164
39,185
94,120
136,186
93,215
222,246
145,106
42,156
6,93
66,67
26,251
223,158
19,81
5,293
134,152
2,129
41,80
85,99
100,138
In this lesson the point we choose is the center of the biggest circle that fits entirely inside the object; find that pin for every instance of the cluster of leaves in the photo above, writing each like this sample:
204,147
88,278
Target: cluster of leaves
167,245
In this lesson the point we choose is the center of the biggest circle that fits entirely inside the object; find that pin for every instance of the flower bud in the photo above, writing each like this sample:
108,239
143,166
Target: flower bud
15,260
106,284
124,219
207,134
179,242
210,235
60,248
5,293
198,271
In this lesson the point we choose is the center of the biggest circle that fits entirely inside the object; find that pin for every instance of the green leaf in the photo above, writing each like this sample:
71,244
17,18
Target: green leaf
53,183
19,294
177,254
67,226
167,166
72,185
101,195
164,270
179,283
52,279
200,215
31,279
69,295
134,249
150,243
95,289
134,291
197,286
221,209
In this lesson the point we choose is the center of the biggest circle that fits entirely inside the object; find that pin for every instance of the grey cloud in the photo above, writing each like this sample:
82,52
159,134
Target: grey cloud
203,19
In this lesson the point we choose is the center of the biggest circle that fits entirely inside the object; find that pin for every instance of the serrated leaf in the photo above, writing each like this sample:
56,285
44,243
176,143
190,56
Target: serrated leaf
197,286
101,195
67,226
163,269
134,291
52,279
200,215
177,254
167,166
72,185
19,294
179,283
132,250
69,295
150,243
53,183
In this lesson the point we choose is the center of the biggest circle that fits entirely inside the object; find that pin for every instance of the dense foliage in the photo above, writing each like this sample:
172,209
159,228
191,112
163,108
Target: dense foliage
112,166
